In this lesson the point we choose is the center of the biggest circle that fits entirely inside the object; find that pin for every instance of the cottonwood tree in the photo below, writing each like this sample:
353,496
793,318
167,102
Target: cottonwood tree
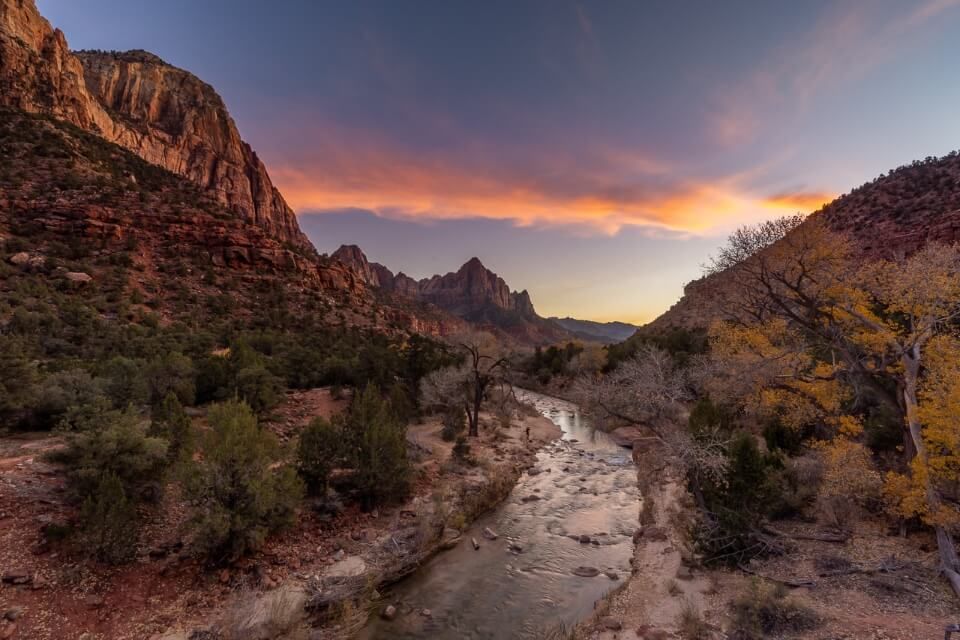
865,326
484,366
646,389
649,390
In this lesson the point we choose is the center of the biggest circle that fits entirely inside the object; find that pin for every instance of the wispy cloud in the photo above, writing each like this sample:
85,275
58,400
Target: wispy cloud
847,42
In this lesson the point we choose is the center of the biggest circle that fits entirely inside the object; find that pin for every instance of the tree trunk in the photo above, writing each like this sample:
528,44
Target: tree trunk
475,410
946,546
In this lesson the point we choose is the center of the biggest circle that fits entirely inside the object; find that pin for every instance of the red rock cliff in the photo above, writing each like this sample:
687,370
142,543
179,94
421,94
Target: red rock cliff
165,115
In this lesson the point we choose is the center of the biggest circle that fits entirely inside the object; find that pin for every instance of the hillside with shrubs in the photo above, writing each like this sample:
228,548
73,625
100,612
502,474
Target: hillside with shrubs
812,425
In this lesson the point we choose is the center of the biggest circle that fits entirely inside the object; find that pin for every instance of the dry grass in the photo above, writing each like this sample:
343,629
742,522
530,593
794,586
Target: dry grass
691,625
766,610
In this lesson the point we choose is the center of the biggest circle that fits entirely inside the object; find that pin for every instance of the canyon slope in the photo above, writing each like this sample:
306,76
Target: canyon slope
893,215
472,293
163,114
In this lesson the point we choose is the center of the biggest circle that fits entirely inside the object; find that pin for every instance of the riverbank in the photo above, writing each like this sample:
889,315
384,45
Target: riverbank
872,585
283,590
449,497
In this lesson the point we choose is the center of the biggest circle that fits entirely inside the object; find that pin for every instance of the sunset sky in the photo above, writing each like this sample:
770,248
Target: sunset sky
594,153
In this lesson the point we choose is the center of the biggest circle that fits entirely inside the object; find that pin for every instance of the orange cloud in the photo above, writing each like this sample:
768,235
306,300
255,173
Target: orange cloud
393,184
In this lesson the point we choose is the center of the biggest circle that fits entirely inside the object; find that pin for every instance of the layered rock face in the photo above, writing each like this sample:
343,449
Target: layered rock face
165,115
471,288
473,293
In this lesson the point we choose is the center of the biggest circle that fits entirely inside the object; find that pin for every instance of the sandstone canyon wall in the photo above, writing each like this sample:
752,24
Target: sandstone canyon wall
165,115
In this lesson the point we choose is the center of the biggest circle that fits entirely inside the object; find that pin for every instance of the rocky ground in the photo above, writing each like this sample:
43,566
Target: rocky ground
323,571
875,585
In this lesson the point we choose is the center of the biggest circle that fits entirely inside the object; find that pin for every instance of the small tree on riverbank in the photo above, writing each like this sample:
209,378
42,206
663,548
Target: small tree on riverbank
468,384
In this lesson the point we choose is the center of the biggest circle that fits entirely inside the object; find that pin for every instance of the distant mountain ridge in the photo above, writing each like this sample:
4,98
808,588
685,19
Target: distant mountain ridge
473,293
606,332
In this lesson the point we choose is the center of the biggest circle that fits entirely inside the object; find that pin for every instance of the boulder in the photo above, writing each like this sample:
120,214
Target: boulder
348,567
626,436
20,259
16,577
77,277
389,612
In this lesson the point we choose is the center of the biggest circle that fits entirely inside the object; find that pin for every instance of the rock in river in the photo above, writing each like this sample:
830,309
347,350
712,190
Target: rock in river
586,572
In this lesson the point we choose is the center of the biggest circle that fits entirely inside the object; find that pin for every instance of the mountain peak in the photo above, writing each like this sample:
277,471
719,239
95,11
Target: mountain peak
165,115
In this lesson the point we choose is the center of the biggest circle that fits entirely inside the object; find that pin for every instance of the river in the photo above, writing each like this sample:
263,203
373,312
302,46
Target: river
583,486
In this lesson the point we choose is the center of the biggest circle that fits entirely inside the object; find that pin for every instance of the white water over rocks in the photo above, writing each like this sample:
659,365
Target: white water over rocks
564,536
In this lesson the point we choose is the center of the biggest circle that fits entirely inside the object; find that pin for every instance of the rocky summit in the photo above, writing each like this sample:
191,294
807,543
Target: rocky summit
165,115
473,293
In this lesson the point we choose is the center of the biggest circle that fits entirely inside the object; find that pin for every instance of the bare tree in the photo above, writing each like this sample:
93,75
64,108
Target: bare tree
485,365
646,390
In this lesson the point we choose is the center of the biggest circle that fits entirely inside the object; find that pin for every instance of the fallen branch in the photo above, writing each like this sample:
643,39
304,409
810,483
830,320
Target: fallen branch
887,566
787,582
819,537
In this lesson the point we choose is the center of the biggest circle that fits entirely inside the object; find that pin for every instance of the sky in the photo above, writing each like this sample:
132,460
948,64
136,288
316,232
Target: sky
593,153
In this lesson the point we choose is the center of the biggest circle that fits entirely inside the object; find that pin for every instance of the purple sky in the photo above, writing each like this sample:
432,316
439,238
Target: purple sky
593,153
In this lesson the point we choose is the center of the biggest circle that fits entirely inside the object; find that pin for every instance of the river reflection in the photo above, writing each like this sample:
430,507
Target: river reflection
586,487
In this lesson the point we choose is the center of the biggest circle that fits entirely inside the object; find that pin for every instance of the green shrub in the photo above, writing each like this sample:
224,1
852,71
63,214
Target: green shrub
108,522
124,381
319,451
706,416
16,382
461,451
62,391
454,422
737,505
114,443
377,449
258,387
401,403
171,422
238,493
171,373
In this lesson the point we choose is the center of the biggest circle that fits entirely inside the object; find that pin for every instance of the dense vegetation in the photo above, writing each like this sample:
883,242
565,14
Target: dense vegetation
114,335
828,386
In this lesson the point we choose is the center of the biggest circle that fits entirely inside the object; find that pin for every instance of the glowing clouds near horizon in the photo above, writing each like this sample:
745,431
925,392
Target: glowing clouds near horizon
409,192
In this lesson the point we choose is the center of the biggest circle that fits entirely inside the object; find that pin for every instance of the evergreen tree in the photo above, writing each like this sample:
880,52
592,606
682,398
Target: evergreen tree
240,496
108,522
318,452
171,422
377,449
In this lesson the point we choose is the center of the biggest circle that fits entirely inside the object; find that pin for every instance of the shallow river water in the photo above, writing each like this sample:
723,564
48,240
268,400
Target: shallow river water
586,487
